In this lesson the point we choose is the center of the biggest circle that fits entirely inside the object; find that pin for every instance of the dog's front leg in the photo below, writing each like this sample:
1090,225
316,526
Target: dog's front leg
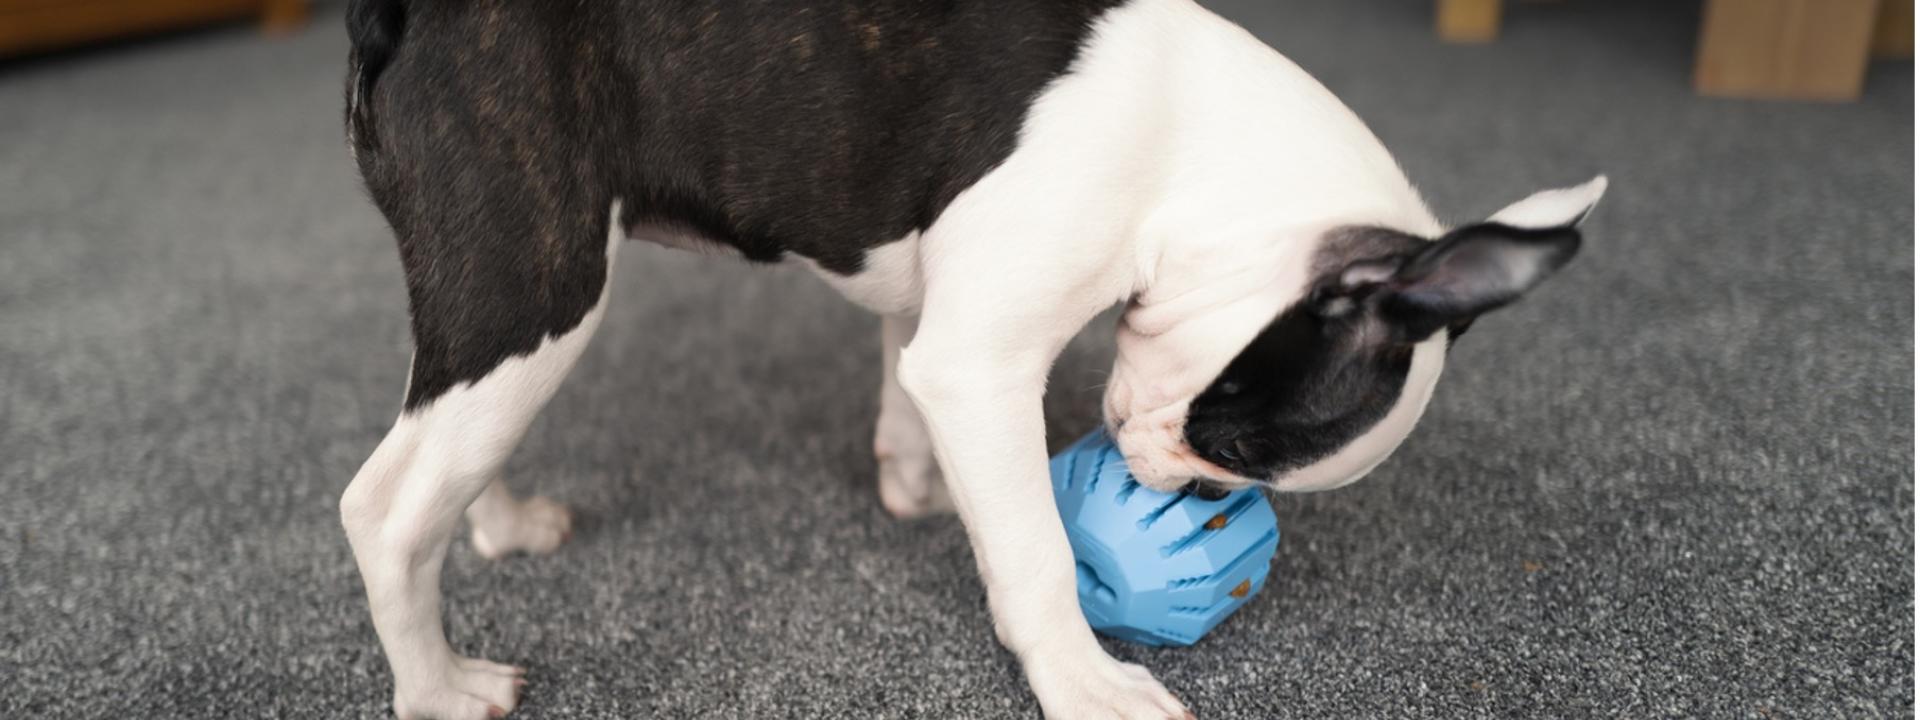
978,381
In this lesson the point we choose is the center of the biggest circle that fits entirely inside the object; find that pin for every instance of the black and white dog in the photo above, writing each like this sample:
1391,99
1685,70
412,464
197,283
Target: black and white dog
987,175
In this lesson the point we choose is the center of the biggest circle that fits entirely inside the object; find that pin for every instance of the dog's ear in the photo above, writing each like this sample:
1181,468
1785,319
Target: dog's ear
1559,208
1469,271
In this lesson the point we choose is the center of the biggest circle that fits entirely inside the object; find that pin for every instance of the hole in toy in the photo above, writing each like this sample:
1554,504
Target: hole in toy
1089,582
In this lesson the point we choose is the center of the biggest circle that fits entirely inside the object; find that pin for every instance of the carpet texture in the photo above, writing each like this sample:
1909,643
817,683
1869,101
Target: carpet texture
1677,482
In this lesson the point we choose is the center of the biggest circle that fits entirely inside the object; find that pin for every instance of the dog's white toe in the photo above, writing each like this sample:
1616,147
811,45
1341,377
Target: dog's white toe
912,488
464,689
1094,685
535,526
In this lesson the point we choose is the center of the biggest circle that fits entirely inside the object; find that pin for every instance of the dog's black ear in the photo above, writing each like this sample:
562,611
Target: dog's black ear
1449,282
1471,271
1481,267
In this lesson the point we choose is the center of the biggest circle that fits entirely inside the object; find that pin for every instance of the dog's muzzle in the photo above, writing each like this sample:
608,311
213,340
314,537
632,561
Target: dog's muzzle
1205,490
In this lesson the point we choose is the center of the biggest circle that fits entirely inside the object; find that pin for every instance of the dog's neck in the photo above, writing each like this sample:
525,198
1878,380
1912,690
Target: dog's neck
1257,161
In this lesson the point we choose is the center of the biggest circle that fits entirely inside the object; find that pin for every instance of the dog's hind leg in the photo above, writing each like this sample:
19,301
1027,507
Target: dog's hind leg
498,321
909,476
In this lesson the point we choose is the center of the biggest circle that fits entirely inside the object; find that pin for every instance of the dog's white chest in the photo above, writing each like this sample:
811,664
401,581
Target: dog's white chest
889,283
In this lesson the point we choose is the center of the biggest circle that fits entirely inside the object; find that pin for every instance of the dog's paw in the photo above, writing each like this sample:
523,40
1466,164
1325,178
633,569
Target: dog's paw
912,487
1093,685
463,689
536,526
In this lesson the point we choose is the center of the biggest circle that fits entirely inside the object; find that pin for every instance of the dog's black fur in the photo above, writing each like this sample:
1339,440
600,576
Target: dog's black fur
495,136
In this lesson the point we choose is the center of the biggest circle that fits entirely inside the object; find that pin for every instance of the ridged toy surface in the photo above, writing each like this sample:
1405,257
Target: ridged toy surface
1158,568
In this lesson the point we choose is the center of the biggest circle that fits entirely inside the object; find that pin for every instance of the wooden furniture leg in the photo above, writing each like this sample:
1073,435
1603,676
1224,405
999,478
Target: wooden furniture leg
1785,49
1893,30
279,17
1468,21
32,26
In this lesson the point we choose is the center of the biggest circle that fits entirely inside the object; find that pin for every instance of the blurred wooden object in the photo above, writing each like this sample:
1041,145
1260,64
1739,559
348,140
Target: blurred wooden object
1468,21
1893,31
280,17
1780,49
1785,49
35,25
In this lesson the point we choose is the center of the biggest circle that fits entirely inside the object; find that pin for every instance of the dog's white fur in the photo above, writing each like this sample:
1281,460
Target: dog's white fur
1189,168
1182,166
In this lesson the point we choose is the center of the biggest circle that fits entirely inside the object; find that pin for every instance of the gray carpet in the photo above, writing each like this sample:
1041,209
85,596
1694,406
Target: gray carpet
1676,483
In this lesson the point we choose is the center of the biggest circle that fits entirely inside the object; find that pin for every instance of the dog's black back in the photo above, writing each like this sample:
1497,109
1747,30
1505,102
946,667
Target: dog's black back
495,136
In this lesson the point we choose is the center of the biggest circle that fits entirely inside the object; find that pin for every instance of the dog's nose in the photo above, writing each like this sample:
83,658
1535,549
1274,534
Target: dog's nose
1205,490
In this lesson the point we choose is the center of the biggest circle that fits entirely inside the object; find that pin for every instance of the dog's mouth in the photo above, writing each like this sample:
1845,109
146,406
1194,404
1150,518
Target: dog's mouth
1206,490
1158,455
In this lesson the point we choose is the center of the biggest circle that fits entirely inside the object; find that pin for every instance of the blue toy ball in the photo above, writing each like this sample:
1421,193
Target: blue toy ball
1158,568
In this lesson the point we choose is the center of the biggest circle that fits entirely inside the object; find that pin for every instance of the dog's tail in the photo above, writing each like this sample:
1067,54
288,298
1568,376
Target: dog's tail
375,28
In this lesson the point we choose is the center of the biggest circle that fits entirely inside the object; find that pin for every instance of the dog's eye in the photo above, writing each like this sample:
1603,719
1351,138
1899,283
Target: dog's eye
1230,387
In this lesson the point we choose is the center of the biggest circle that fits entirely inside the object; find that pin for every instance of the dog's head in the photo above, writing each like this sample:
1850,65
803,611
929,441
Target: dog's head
1316,394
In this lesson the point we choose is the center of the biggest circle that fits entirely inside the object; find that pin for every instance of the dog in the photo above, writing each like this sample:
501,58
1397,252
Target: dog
986,176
